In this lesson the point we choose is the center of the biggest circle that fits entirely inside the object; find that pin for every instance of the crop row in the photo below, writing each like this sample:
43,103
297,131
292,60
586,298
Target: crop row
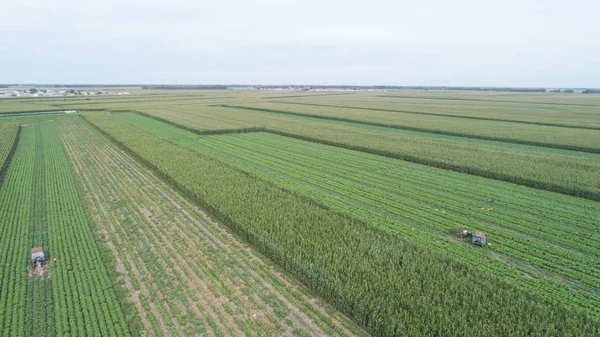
157,233
528,134
8,135
567,172
15,201
485,116
135,102
390,286
404,200
84,300
39,207
542,110
12,106
40,319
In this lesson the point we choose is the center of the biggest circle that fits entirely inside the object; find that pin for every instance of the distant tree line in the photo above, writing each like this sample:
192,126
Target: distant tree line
185,87
591,91
564,91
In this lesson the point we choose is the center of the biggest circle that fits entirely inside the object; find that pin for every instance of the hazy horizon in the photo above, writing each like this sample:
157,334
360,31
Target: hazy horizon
267,86
265,42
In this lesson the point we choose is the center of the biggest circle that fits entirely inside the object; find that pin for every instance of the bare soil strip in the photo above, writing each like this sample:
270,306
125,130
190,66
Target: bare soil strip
185,274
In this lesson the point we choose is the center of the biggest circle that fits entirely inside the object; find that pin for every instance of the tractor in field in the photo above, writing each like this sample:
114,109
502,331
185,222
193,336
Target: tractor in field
38,263
37,256
477,238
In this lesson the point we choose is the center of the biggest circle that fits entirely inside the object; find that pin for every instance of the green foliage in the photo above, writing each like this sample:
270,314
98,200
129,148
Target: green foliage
544,109
511,132
568,172
8,136
8,106
388,285
38,290
425,204
40,206
85,302
15,198
163,234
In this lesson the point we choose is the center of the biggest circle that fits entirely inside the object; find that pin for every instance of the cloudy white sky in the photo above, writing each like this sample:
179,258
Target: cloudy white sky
427,42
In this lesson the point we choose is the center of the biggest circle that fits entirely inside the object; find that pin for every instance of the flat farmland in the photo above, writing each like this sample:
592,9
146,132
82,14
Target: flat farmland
341,256
8,106
567,110
561,137
427,205
301,213
8,133
40,207
572,172
185,274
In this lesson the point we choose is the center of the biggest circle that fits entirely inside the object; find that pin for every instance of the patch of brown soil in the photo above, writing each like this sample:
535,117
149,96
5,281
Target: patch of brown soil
42,271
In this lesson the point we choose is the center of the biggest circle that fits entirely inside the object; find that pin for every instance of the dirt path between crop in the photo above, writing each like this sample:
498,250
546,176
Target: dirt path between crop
194,277
229,253
97,203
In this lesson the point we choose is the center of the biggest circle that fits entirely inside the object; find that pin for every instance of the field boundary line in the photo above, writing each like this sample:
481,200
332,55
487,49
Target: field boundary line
586,194
456,168
182,189
154,100
9,158
309,95
417,129
133,320
196,131
518,121
30,112
486,100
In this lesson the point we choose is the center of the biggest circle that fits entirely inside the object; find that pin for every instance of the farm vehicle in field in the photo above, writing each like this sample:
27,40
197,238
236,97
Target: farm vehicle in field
37,256
477,238
38,263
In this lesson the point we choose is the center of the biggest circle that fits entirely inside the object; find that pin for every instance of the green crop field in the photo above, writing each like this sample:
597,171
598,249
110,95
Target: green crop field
571,172
295,213
521,133
225,288
41,207
8,132
401,197
8,106
543,109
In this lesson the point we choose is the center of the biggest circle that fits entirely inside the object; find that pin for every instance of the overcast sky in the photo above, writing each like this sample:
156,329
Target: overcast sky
419,42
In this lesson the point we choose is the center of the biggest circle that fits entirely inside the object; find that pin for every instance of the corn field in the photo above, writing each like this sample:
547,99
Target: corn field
385,283
299,213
